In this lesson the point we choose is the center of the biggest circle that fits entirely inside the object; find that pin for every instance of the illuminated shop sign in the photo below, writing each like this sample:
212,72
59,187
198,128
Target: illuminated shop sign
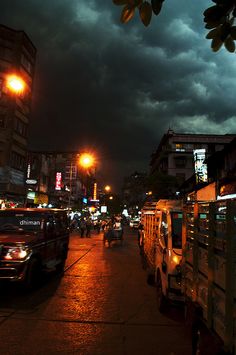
28,171
103,209
31,182
58,181
95,191
31,195
199,165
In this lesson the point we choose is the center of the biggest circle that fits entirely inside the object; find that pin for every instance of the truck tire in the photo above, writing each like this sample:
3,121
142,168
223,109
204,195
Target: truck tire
196,339
203,341
162,303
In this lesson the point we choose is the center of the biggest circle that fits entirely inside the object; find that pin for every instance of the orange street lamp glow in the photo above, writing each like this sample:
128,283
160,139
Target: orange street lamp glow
107,188
86,160
15,84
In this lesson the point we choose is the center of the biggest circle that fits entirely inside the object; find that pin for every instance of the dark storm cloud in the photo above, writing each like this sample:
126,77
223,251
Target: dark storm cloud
117,88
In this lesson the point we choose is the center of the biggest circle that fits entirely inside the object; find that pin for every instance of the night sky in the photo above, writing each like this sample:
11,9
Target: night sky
116,89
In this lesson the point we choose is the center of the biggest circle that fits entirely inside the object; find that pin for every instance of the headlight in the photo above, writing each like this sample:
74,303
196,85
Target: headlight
175,259
15,253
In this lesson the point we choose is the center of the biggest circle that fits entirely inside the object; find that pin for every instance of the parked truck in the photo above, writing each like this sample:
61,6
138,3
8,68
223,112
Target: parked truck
200,270
162,248
209,275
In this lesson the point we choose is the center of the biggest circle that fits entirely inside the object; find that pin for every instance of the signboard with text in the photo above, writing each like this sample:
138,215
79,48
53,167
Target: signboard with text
199,165
58,181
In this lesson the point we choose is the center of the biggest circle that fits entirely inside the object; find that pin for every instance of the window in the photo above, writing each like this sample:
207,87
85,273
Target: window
26,64
177,218
179,147
5,53
17,161
20,127
24,220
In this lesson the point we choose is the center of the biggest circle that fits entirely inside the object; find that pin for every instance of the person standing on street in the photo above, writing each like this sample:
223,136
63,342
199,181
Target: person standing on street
88,228
82,227
97,226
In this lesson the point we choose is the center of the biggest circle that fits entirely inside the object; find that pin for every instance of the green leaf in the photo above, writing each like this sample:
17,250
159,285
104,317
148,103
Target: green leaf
136,2
212,24
145,12
225,31
127,13
213,33
156,6
216,44
214,13
120,2
229,44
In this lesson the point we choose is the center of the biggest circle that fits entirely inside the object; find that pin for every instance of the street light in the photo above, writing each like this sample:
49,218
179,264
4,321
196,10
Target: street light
15,84
107,188
86,160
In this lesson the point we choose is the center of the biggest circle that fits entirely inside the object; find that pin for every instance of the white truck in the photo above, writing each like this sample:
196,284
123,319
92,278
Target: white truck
209,275
162,248
190,252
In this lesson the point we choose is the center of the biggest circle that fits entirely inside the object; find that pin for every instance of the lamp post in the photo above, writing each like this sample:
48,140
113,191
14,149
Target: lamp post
70,187
13,86
86,162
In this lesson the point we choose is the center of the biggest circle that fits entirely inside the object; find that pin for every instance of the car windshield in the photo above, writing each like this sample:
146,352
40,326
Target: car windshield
23,221
177,219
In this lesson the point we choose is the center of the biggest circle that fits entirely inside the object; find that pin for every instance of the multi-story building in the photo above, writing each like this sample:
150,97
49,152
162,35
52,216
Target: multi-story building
17,64
53,179
39,181
181,155
222,170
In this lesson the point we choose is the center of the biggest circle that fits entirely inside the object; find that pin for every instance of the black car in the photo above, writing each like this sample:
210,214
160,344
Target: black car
32,240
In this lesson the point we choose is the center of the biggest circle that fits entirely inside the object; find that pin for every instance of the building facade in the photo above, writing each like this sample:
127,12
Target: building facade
222,170
17,59
182,156
53,178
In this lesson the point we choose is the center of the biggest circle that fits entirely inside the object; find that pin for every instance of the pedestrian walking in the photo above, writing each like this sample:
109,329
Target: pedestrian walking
97,226
88,228
103,224
82,227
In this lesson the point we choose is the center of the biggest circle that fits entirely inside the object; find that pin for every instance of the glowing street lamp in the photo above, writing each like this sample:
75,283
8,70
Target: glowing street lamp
107,188
86,160
15,84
